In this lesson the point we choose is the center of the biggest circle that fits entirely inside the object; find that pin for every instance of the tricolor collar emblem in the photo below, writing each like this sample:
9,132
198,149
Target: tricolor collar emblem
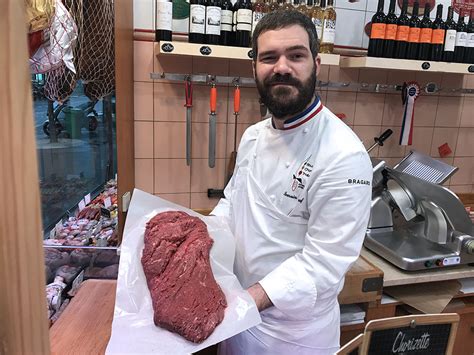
303,117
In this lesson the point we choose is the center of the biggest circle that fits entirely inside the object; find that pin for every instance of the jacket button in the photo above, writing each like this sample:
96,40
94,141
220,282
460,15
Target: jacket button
305,130
287,164
272,197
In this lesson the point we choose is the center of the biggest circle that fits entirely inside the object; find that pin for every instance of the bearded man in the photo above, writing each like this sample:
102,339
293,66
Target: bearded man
298,218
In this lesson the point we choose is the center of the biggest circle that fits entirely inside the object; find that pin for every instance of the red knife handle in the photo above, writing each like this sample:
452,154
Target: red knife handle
188,91
236,100
213,100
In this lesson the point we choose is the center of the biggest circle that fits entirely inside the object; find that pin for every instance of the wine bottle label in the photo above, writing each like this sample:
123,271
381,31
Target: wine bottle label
461,39
197,16
234,21
226,20
318,24
414,35
213,20
391,32
470,40
244,20
426,35
438,36
402,33
164,15
377,31
450,41
257,16
329,31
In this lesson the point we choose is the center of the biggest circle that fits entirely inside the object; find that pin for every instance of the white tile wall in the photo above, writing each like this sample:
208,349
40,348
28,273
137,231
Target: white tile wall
349,27
143,14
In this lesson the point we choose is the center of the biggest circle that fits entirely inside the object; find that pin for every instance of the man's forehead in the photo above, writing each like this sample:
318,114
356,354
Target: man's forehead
283,38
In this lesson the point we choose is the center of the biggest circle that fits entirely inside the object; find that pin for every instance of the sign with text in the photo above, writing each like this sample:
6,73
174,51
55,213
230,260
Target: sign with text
423,339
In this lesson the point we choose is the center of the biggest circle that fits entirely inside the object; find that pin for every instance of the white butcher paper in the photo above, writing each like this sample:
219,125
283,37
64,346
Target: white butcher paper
133,330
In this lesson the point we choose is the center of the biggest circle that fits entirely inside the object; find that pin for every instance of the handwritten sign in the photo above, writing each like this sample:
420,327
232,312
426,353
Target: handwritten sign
422,339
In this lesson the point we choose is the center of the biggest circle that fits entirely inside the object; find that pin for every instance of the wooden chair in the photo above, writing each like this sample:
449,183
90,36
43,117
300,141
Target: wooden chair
415,334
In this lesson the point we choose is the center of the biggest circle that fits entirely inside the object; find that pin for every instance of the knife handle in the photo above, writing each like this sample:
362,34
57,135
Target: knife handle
213,100
236,100
188,92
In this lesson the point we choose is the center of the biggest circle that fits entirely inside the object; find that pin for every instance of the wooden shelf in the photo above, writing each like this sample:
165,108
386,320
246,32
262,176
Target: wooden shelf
226,52
405,64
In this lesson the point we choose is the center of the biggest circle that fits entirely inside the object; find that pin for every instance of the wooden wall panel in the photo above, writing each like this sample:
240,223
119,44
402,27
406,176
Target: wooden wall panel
124,100
23,317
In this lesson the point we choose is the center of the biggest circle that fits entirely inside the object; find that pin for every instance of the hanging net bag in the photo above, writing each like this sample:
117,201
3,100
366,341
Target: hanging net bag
97,56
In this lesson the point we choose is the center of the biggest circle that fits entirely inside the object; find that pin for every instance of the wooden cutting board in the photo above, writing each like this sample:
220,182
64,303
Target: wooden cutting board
85,325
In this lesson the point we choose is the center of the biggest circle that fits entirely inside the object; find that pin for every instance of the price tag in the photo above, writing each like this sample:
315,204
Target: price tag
87,199
107,202
52,234
82,205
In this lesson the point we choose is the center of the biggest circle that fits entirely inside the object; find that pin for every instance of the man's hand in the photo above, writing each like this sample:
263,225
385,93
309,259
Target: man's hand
259,296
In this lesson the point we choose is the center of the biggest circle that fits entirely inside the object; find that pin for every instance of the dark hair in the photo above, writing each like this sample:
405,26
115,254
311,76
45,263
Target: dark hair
282,19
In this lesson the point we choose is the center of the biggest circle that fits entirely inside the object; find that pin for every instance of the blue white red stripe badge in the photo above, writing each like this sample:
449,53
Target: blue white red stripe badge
305,116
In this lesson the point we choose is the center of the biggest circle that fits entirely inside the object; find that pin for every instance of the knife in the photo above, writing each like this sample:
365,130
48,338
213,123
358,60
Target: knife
212,127
233,155
188,91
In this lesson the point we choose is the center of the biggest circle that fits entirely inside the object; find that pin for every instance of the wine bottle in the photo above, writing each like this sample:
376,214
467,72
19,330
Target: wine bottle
234,22
317,14
414,34
244,24
390,31
450,39
469,57
226,23
197,21
426,34
213,21
377,32
439,33
329,28
163,20
403,30
260,8
461,39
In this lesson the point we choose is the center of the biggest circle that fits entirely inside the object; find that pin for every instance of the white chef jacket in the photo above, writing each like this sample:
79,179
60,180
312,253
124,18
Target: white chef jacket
298,204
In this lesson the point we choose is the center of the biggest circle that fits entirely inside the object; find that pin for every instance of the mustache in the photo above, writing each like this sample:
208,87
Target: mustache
282,79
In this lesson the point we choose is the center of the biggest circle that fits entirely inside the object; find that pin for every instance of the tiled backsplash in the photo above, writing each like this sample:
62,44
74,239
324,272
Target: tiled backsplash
160,122
351,19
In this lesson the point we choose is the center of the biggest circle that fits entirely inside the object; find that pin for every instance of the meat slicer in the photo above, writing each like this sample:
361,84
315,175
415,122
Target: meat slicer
415,223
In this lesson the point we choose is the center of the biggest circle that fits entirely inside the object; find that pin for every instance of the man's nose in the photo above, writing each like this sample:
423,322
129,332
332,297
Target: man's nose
282,66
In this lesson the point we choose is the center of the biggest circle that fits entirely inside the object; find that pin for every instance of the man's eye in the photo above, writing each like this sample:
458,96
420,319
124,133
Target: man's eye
268,59
297,56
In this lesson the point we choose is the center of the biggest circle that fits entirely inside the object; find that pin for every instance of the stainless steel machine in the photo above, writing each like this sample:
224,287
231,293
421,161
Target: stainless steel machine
415,223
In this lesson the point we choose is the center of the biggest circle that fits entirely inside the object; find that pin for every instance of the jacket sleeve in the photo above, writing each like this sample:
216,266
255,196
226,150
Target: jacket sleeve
339,207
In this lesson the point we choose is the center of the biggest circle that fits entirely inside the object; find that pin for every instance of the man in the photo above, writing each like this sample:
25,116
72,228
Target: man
299,200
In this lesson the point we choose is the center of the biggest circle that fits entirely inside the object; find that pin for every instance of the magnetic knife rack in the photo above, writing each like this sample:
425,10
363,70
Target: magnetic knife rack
207,79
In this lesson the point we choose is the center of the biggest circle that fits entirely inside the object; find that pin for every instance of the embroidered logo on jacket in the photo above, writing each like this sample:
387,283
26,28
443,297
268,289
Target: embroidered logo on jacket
299,179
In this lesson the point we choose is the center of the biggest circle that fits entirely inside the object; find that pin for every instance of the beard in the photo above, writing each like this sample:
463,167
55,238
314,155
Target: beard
279,100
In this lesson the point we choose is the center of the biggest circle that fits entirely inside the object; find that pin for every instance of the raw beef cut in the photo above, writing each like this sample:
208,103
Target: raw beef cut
186,298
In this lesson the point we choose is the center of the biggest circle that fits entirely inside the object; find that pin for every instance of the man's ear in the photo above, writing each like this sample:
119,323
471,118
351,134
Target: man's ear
317,63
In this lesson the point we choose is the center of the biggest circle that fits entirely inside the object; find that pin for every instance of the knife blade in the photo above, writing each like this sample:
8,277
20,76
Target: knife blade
188,91
212,126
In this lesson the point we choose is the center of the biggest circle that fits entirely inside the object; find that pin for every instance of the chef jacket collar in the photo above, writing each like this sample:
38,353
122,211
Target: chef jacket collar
304,116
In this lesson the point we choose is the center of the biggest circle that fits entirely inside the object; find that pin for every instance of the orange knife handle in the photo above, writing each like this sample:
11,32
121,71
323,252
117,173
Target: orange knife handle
188,91
236,100
213,98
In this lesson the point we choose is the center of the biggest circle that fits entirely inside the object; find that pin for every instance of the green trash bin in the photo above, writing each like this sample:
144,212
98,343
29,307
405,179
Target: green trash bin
73,121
